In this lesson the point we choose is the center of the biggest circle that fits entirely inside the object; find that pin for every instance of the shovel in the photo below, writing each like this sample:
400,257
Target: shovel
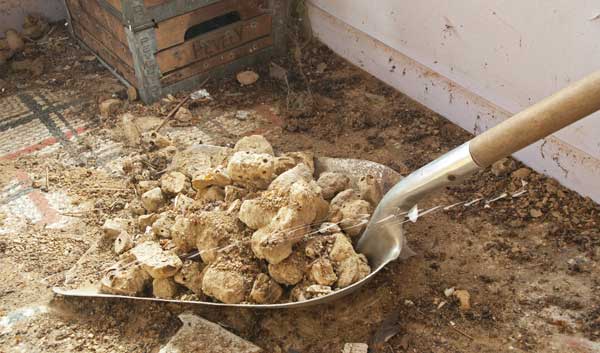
383,241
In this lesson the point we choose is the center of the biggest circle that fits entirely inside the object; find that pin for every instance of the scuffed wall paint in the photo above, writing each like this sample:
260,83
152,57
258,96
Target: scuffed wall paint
12,12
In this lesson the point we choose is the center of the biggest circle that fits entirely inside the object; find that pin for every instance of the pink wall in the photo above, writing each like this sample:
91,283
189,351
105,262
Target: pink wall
12,12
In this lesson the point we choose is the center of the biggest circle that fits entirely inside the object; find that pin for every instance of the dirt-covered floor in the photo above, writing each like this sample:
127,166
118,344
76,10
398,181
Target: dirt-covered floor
529,262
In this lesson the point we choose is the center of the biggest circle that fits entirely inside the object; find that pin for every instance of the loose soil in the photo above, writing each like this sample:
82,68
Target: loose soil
529,263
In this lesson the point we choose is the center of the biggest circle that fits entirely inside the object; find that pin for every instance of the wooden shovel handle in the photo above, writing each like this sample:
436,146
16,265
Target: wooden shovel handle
563,108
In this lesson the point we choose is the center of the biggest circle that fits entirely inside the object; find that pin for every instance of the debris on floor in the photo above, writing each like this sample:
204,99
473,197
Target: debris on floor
355,348
199,335
256,224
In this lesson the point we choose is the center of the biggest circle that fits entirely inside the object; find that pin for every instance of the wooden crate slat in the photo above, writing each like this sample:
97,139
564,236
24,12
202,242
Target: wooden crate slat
96,46
101,33
216,42
93,9
172,31
218,60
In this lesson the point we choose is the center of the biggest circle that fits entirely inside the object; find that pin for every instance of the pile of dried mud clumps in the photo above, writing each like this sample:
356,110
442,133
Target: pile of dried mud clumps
239,225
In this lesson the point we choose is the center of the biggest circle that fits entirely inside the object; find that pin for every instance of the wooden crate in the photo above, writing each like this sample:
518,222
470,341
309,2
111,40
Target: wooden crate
164,46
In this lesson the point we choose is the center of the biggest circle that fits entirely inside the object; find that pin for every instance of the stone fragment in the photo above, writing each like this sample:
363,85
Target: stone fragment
370,190
162,226
130,130
246,78
254,144
251,168
183,235
265,290
355,216
211,177
183,115
125,278
304,157
332,183
109,107
285,180
153,200
289,271
322,272
521,173
113,227
210,194
14,40
123,243
164,288
464,299
199,335
233,193
355,348
146,220
157,262
147,185
503,167
173,183
190,276
352,270
256,214
227,286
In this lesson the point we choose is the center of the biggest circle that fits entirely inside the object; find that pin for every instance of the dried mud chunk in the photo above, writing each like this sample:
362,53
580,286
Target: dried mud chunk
306,198
153,200
254,144
190,276
268,245
227,286
145,221
211,177
342,248
322,272
283,164
306,157
147,185
123,243
157,262
289,271
285,180
183,203
256,213
355,216
215,230
335,207
113,227
317,247
370,190
265,290
152,141
162,226
251,168
233,193
191,162
182,234
352,270
173,183
164,288
332,183
210,194
125,278
274,242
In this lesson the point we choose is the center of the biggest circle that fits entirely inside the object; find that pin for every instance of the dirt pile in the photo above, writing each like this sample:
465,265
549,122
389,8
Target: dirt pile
236,225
